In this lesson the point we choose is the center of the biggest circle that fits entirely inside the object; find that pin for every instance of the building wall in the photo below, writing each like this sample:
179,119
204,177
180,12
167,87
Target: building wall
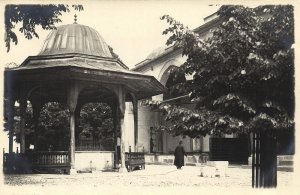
145,121
147,118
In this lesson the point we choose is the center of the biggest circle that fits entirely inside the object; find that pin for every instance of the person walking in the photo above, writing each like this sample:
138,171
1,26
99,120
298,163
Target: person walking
179,156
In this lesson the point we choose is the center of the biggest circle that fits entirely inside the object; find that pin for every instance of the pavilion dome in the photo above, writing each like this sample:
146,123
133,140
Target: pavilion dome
75,38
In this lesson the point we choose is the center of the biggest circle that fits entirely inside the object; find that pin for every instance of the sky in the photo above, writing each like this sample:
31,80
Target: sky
132,28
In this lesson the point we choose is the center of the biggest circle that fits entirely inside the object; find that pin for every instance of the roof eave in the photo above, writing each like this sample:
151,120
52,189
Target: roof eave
72,55
144,85
199,29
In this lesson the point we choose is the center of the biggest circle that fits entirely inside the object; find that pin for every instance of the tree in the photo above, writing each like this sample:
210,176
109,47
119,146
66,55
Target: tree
31,16
243,74
97,116
53,127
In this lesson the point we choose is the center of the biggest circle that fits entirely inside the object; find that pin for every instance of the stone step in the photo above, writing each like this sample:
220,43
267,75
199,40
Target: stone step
287,163
247,166
279,168
285,168
285,157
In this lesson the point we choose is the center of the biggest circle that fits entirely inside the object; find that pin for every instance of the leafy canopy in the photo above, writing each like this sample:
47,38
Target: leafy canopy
98,118
31,16
242,74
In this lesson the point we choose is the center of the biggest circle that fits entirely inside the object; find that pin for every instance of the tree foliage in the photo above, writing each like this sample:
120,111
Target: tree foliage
54,123
53,127
243,74
31,16
96,118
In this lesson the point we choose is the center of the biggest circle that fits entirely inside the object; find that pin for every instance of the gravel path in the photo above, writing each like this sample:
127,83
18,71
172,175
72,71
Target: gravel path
152,176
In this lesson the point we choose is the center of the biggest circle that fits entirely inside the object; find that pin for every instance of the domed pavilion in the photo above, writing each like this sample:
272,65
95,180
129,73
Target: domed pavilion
74,67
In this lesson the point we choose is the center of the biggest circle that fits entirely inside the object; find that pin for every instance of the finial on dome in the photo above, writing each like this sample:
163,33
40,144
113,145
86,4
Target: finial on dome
75,19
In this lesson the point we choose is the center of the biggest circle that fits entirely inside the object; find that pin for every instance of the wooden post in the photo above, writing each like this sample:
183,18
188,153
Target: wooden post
73,93
121,100
72,139
23,105
36,109
115,120
135,116
10,123
77,117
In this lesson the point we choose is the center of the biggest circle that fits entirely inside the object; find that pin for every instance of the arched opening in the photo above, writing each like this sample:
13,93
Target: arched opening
28,123
173,83
95,131
53,126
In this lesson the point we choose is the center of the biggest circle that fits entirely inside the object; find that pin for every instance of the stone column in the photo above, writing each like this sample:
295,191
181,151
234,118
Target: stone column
23,105
73,93
201,143
206,143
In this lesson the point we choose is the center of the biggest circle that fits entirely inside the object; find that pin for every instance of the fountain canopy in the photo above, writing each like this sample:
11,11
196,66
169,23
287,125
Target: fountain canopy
78,52
74,67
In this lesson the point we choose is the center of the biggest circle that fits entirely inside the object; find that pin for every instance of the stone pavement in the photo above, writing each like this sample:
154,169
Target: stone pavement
152,176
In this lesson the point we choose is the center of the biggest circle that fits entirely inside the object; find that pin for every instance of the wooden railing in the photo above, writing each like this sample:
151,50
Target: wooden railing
49,158
37,161
7,162
88,145
49,161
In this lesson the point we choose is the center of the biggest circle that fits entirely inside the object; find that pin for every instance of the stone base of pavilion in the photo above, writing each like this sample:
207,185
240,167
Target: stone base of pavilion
73,171
89,161
123,170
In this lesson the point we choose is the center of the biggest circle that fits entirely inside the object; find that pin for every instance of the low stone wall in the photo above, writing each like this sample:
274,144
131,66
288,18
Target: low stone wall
93,160
168,159
284,163
214,169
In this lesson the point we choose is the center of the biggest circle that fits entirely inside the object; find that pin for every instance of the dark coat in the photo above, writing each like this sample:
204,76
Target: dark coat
179,156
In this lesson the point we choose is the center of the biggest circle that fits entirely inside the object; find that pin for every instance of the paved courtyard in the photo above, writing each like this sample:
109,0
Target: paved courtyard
152,176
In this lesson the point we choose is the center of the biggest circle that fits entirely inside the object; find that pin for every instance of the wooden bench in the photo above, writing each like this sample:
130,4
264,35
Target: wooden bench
134,160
